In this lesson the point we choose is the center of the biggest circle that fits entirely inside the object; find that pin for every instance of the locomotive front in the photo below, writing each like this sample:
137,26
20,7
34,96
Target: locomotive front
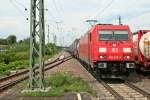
115,51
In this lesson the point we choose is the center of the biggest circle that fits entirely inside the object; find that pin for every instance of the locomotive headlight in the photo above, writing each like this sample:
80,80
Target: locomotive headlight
102,49
128,57
126,50
102,57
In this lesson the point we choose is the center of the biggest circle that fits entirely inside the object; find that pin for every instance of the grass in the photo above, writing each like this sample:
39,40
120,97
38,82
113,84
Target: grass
62,82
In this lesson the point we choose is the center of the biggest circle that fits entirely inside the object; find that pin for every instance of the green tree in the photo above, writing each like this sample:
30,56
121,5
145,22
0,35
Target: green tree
11,39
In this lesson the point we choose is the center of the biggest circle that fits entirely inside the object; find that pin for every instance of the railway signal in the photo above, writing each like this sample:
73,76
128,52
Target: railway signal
37,43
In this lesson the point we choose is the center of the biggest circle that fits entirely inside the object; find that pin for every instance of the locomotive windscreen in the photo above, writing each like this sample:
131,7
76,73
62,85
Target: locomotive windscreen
113,35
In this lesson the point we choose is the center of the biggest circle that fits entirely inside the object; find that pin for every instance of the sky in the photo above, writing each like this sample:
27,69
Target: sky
67,18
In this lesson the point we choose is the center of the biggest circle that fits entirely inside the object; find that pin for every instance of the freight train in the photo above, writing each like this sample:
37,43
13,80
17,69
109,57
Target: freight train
107,49
141,40
73,48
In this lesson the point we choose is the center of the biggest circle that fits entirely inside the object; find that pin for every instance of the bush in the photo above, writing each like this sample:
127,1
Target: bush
51,49
2,67
6,68
9,56
21,56
2,54
19,64
6,57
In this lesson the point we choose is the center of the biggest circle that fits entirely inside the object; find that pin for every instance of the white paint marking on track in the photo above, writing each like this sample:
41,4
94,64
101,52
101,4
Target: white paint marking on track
79,96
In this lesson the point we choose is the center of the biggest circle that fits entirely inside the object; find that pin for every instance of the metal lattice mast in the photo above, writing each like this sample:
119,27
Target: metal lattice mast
37,42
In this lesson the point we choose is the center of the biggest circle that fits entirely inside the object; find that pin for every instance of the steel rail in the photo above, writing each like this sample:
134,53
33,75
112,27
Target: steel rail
114,92
14,82
111,90
26,70
144,93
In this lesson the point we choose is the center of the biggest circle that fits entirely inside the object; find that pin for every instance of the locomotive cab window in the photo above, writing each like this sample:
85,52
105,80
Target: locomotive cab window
121,35
113,35
105,35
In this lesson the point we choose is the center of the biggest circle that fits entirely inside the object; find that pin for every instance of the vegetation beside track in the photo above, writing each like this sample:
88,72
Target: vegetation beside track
17,56
62,82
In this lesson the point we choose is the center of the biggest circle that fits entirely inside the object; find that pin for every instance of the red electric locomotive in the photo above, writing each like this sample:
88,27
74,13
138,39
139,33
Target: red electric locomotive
141,41
108,49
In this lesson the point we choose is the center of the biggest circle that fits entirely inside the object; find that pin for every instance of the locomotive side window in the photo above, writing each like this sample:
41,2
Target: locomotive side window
121,35
113,35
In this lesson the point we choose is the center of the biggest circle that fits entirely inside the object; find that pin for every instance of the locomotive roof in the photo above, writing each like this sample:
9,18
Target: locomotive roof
109,26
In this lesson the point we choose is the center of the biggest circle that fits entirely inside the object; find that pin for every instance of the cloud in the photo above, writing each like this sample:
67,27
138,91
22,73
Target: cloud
73,13
13,25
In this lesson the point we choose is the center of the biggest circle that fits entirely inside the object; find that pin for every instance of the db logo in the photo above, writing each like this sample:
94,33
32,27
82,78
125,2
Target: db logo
114,49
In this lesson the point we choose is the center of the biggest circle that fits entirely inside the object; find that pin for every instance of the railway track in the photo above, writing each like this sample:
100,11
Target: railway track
12,80
125,91
120,90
